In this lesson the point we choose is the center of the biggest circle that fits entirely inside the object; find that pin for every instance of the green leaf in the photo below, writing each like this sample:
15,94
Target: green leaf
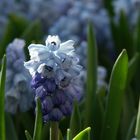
109,7
131,128
28,136
98,117
75,122
115,97
137,131
125,36
127,114
132,67
137,36
45,132
25,117
68,134
83,135
32,32
14,29
91,78
10,128
54,130
2,93
38,121
64,124
60,135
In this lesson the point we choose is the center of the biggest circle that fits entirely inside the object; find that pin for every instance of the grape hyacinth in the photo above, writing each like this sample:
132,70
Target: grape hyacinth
42,9
74,23
130,7
18,96
6,7
55,77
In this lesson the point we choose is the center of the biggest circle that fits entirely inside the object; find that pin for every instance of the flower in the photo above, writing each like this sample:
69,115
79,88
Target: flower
131,8
18,96
52,54
74,23
42,9
55,76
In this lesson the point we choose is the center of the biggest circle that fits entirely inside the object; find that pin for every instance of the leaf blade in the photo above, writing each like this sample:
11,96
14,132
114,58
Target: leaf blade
2,93
28,136
75,122
38,121
115,97
91,78
83,135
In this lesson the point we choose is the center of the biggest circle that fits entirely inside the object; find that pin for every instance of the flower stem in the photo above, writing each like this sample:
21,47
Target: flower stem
54,131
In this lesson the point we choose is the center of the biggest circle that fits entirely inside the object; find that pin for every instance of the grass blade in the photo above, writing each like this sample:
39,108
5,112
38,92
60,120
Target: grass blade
125,35
75,123
68,134
11,133
38,121
14,29
2,93
137,131
132,67
137,35
91,78
115,97
60,135
131,128
28,136
83,135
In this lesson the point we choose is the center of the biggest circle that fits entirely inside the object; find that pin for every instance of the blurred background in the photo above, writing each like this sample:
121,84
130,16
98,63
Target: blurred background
116,24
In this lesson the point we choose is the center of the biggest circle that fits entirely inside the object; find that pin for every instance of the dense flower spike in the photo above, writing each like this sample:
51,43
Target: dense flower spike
74,23
32,10
42,9
18,94
130,7
55,76
6,7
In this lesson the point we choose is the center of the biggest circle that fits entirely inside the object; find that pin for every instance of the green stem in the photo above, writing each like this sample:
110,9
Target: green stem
54,131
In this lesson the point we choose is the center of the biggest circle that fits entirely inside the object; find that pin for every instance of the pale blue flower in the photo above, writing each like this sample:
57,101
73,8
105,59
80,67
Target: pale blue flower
131,8
55,76
18,96
74,23
42,9
51,54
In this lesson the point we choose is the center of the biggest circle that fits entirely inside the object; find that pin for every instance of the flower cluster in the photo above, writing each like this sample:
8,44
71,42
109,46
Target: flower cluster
130,7
33,9
74,23
55,77
18,96
6,7
42,9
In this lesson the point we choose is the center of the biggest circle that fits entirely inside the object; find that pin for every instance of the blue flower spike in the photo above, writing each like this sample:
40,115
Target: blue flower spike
55,76
18,96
